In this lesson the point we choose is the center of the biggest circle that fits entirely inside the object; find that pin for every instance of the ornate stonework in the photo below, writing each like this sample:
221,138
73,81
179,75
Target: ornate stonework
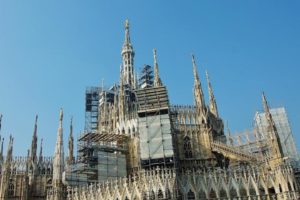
162,151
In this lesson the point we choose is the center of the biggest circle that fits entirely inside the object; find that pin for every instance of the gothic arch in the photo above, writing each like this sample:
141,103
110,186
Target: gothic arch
280,188
144,196
290,187
125,194
168,194
243,191
135,193
187,147
263,190
152,195
11,189
191,195
212,189
201,194
252,192
233,193
116,194
223,193
160,194
253,189
273,189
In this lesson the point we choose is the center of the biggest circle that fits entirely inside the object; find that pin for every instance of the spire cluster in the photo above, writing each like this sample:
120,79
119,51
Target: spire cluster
199,95
198,92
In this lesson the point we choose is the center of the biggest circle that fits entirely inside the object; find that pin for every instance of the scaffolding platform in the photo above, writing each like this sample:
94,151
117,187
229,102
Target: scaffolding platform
97,137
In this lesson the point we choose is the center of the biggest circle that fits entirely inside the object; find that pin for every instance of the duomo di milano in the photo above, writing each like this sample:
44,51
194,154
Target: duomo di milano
137,146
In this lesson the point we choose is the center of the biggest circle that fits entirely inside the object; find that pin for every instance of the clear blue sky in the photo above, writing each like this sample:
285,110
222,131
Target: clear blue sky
51,50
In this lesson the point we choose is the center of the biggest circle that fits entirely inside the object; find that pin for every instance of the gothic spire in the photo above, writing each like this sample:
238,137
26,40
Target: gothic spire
34,141
136,82
1,140
9,155
229,135
58,160
157,81
212,101
128,58
27,162
127,35
6,170
121,100
115,108
1,121
275,144
1,150
41,151
198,93
71,144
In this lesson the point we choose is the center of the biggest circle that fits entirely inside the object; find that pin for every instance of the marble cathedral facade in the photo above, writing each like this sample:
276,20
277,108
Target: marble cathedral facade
193,158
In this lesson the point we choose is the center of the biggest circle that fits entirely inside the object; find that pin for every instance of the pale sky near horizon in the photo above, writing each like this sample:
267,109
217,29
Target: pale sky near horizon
50,51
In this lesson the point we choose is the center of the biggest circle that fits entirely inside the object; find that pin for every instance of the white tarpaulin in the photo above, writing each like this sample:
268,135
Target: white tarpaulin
155,137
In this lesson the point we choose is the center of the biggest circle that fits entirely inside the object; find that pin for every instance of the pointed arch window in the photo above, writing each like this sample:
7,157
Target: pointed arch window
187,147
11,189
160,194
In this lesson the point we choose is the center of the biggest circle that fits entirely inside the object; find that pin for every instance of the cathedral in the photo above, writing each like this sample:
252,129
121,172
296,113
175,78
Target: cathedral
137,146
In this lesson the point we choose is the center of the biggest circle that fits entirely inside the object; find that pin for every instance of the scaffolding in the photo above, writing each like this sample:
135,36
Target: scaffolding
282,124
146,77
101,156
92,95
155,130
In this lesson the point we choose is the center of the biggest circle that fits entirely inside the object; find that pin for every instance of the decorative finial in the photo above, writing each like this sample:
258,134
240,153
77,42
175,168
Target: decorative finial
207,76
193,59
11,139
154,55
61,114
212,101
195,67
265,103
1,121
126,24
36,118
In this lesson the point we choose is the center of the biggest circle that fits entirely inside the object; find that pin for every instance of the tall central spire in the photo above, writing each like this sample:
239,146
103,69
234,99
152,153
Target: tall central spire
198,93
128,58
58,160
